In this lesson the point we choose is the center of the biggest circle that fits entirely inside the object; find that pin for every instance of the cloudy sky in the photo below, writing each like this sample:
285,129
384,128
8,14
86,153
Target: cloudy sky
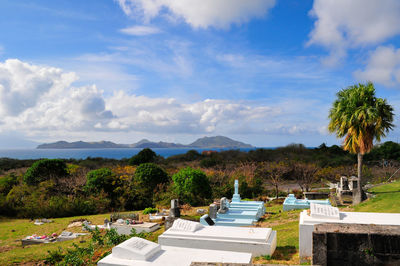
260,71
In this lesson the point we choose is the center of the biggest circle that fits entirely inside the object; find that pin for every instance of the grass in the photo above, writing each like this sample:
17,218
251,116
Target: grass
386,199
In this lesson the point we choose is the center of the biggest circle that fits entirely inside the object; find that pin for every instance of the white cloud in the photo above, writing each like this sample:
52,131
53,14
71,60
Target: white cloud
199,14
383,66
39,99
140,30
343,24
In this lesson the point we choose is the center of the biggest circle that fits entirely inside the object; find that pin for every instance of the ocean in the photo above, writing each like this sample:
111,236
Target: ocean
84,153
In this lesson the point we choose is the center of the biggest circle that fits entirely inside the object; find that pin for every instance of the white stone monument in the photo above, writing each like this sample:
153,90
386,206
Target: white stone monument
320,214
236,196
183,233
140,252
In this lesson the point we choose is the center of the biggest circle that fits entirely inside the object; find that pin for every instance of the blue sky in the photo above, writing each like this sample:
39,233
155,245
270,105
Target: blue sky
261,71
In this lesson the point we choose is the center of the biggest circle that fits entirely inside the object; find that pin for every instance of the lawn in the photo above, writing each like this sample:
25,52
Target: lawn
387,198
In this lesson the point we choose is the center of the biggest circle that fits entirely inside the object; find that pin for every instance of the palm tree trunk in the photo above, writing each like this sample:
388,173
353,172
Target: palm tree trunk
357,193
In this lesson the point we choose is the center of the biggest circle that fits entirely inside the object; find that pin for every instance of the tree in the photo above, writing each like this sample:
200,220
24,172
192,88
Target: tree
44,170
359,116
273,172
144,156
192,186
305,175
100,179
149,175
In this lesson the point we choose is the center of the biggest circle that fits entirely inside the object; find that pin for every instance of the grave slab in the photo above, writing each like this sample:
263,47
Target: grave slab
258,241
292,203
328,214
141,252
125,229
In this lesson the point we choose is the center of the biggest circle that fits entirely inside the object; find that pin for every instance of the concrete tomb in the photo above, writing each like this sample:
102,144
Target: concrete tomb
292,203
183,233
141,252
356,244
323,214
236,212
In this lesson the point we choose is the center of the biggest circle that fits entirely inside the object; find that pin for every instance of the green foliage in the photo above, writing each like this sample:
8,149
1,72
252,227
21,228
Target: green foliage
361,117
149,175
150,210
144,156
192,186
100,179
7,182
44,170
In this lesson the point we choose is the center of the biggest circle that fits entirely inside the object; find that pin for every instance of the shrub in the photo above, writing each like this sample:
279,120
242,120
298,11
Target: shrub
144,156
44,170
100,179
192,186
149,175
150,210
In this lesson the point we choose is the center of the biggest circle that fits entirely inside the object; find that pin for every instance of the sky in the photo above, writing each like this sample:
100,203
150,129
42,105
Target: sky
264,72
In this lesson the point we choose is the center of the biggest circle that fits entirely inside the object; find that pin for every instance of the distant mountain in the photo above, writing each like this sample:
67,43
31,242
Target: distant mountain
218,142
206,142
81,145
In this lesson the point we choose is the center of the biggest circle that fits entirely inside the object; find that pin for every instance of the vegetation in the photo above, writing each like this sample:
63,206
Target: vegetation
45,169
97,185
144,156
192,186
360,117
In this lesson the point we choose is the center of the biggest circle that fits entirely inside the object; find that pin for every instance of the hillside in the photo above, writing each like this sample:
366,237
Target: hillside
219,142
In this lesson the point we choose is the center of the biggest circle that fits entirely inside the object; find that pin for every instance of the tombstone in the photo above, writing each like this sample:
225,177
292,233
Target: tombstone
258,241
344,183
213,211
136,249
236,195
223,206
106,222
174,211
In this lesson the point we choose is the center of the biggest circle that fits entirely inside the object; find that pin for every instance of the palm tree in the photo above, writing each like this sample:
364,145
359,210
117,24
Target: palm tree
360,117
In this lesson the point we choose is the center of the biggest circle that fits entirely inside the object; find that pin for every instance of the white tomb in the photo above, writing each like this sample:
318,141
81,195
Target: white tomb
126,229
183,233
141,252
321,214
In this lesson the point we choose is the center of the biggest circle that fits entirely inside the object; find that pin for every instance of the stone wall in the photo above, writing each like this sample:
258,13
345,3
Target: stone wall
356,244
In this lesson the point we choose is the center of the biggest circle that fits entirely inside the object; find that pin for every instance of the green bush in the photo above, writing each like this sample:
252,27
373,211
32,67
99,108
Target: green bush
100,179
44,170
150,210
149,175
192,186
144,156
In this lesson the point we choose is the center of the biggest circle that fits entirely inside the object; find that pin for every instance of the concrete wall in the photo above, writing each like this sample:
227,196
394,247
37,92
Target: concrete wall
356,244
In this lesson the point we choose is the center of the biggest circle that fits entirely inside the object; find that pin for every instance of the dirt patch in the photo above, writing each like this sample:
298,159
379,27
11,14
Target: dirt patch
6,248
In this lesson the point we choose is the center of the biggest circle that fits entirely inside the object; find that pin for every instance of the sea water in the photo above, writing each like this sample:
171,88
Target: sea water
84,153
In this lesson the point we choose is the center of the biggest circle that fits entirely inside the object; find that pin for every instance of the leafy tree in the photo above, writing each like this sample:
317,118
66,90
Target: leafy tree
149,175
44,170
144,156
192,186
359,116
100,179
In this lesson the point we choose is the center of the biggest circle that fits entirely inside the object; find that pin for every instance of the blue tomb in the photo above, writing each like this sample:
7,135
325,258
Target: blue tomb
236,212
292,203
